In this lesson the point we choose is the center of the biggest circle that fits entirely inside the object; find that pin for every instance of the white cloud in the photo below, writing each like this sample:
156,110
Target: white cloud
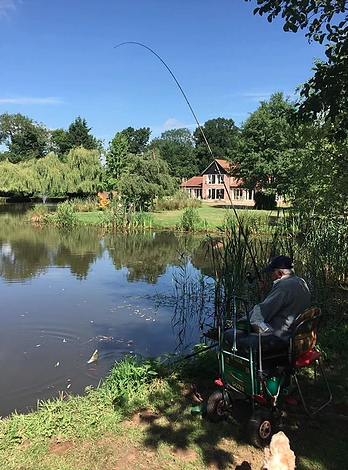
263,96
30,100
172,122
258,96
6,6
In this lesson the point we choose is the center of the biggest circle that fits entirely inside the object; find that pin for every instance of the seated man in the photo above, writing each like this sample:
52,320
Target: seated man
288,298
274,316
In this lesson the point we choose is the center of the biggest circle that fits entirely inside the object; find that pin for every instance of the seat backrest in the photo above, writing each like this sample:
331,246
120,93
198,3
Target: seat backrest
305,333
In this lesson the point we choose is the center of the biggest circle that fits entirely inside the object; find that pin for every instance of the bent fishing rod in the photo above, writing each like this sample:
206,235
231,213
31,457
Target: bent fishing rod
207,144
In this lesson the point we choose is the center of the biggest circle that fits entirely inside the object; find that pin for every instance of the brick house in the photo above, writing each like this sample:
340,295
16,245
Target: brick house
214,183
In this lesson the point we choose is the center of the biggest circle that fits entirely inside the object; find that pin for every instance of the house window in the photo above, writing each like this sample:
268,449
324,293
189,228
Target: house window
211,193
219,194
215,179
238,194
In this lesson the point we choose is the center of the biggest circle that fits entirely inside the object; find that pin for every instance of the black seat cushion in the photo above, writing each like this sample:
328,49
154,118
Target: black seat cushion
271,345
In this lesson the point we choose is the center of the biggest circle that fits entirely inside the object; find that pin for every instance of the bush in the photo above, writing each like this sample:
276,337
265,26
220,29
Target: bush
38,214
190,219
180,200
84,205
65,214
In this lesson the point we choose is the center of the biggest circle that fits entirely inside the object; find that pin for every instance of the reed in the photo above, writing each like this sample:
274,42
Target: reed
318,247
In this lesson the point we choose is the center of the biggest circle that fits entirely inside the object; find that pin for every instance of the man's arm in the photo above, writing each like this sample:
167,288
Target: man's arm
273,303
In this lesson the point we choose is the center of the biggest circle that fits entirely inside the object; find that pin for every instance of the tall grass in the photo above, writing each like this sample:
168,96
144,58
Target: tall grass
88,204
120,217
38,214
180,200
318,246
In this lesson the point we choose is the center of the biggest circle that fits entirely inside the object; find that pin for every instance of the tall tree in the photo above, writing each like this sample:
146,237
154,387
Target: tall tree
24,138
84,171
60,143
222,136
147,177
177,149
16,179
116,160
49,176
325,94
320,177
79,135
138,139
267,152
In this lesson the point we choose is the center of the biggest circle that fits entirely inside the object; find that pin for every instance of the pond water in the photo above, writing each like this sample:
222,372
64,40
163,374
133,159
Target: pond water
65,293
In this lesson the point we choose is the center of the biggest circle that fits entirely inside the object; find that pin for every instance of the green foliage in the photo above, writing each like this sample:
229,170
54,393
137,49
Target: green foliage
38,214
190,219
177,149
120,217
25,139
179,200
49,176
116,160
88,204
325,95
60,142
65,214
17,179
146,178
222,135
265,201
126,384
267,152
84,171
138,139
77,135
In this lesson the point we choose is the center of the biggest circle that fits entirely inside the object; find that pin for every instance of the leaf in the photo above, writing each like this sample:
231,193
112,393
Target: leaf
94,357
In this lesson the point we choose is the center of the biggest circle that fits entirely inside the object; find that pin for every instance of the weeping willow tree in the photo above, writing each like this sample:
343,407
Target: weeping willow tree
83,171
16,179
49,176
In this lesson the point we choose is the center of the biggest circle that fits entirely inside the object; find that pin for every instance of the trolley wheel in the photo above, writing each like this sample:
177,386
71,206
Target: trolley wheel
217,406
260,428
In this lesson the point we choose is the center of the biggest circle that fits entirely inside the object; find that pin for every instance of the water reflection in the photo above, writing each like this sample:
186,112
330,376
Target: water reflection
65,293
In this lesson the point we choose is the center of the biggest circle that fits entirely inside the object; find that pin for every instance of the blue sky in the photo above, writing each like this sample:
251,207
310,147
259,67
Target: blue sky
58,61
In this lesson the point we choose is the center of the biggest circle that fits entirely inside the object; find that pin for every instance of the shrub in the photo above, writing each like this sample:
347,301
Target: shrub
65,214
179,200
38,214
190,219
84,205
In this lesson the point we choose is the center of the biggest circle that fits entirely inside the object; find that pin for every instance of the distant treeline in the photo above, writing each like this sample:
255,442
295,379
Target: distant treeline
272,151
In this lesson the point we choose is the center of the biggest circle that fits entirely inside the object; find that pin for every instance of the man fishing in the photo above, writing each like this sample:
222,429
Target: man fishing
288,297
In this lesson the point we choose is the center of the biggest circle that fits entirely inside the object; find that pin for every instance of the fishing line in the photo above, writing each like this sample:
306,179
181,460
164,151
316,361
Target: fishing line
206,142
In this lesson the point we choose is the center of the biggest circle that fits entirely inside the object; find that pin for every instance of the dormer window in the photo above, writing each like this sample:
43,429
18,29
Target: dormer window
215,179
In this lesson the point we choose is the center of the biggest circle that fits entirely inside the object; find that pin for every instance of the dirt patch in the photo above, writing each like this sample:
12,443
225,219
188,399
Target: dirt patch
185,455
142,417
59,448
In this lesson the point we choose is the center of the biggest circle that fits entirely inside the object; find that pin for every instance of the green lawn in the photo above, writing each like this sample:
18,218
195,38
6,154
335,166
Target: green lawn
212,216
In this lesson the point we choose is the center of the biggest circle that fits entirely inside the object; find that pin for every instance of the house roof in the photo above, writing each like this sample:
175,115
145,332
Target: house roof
224,164
194,182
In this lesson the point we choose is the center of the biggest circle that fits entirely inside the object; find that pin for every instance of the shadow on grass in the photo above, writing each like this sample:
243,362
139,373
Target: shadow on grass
319,443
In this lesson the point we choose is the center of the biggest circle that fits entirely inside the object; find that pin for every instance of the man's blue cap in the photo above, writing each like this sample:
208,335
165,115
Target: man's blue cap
279,262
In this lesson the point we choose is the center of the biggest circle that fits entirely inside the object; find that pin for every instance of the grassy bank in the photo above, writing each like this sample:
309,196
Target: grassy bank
141,418
212,216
